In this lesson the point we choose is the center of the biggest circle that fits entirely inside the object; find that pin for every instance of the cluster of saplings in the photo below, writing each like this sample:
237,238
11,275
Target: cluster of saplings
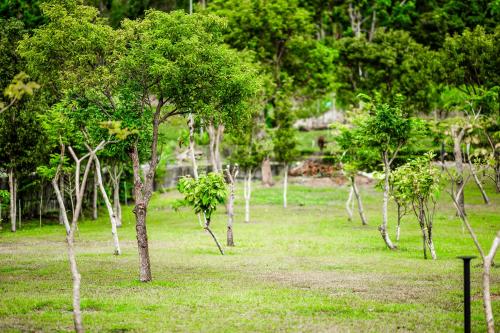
107,83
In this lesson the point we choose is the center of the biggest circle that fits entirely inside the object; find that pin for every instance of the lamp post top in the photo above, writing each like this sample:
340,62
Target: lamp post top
466,257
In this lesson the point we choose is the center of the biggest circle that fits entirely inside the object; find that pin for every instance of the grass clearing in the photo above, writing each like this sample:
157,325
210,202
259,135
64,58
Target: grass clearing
304,268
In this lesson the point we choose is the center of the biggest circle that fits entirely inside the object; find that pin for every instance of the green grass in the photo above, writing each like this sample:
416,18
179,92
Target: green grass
303,269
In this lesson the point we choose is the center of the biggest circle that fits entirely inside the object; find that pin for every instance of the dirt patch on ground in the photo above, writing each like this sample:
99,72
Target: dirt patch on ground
315,173
338,180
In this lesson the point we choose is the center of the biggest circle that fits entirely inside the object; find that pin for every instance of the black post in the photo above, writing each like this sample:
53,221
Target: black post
466,260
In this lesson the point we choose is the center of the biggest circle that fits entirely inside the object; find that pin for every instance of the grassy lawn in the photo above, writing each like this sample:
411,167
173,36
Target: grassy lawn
303,269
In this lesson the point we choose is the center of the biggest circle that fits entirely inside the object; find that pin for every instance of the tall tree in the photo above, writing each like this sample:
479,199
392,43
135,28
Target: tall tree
385,129
470,63
176,64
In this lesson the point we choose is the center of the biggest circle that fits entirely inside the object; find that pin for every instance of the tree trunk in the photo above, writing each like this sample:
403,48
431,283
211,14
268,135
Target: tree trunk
94,198
349,205
231,175
430,243
479,185
247,193
267,176
79,193
77,314
360,204
62,206
192,155
207,228
487,262
116,203
476,178
61,187
218,141
12,200
285,185
211,135
424,241
141,195
398,228
116,173
383,227
191,146
457,150
112,216
41,205
142,242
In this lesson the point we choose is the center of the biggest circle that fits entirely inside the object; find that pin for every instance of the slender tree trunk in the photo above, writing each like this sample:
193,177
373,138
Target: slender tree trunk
486,199
112,216
191,146
115,175
12,200
430,243
94,198
285,185
267,176
117,204
207,228
360,204
77,314
19,210
247,193
421,221
79,193
487,263
231,175
218,141
192,154
61,187
383,228
424,241
62,206
398,228
457,136
211,135
41,205
349,204
465,221
476,178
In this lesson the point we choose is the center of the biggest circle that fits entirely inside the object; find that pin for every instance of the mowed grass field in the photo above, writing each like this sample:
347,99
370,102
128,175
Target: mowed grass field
300,269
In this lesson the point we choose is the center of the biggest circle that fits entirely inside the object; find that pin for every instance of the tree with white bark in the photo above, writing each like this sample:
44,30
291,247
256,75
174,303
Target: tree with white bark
487,257
385,129
231,175
353,160
248,153
140,79
418,182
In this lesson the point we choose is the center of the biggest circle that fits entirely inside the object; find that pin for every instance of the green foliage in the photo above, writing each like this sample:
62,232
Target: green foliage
471,59
417,181
352,154
27,11
386,127
205,193
391,64
4,198
49,171
281,34
285,144
18,87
